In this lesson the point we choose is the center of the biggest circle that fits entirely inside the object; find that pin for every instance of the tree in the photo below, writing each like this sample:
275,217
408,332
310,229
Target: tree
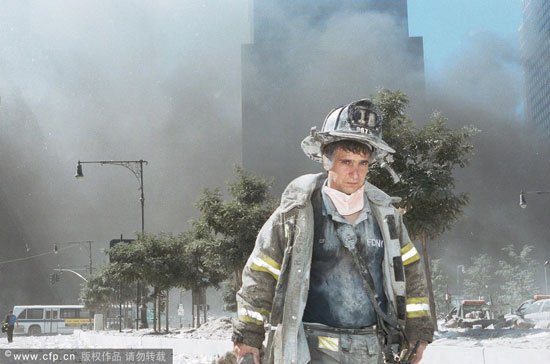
481,281
440,287
199,267
102,291
234,223
160,269
425,159
518,273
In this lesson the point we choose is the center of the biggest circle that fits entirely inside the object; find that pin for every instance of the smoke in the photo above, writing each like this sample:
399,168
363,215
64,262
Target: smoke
161,81
292,80
103,80
297,77
482,86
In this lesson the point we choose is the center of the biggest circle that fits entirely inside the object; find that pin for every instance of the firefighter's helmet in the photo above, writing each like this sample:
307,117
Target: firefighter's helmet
360,121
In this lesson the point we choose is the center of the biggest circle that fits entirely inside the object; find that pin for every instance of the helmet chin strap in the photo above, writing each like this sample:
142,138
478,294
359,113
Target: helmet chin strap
390,170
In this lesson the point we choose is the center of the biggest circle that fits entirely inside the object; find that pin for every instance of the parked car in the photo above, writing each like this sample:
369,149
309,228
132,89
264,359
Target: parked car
537,311
470,313
530,313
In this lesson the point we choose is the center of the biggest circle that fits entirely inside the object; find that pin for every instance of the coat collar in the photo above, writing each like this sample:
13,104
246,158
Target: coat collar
299,192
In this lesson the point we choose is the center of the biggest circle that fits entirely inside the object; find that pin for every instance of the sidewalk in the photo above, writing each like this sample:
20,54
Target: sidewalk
180,346
438,354
434,354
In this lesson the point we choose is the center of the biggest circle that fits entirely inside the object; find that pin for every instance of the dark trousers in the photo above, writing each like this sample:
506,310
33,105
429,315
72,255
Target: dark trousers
328,345
10,333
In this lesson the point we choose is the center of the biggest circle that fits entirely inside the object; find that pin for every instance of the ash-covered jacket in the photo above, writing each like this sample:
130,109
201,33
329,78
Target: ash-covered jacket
276,276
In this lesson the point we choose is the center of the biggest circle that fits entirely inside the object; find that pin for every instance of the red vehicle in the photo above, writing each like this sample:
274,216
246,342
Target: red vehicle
471,313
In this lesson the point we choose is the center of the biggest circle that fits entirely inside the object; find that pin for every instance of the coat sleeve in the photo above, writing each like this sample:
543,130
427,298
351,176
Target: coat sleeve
418,323
259,279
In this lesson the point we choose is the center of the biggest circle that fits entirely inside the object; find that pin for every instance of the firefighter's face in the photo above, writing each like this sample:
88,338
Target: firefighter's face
348,171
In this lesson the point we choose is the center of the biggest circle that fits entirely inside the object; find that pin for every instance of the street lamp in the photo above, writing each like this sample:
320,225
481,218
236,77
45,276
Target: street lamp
545,276
523,202
136,167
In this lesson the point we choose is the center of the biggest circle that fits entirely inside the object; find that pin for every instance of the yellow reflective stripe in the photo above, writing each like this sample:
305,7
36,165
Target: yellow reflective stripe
409,254
270,261
253,316
413,300
328,343
250,320
418,307
418,314
263,263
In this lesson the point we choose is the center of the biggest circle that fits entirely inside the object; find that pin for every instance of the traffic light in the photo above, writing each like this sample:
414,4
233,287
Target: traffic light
54,277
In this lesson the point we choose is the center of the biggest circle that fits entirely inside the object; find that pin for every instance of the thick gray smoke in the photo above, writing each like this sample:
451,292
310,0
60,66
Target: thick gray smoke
102,80
291,81
161,81
482,87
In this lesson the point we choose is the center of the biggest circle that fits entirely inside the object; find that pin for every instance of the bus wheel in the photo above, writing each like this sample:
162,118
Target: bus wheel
34,331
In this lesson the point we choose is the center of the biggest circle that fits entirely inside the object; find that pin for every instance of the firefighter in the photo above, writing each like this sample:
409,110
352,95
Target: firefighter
334,277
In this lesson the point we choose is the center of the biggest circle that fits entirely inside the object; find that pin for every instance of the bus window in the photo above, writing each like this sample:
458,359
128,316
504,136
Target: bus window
35,313
69,313
22,315
84,313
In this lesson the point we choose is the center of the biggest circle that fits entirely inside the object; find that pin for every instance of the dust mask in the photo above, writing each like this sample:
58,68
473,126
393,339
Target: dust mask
344,203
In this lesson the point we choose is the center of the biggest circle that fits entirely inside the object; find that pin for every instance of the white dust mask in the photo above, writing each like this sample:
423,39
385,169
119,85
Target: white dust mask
344,203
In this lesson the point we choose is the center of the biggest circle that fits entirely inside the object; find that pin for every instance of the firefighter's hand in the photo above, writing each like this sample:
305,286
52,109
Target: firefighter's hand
419,351
241,350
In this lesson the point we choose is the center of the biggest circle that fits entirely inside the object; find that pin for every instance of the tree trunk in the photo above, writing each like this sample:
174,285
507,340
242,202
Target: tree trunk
155,310
199,308
429,279
159,312
167,319
204,306
192,308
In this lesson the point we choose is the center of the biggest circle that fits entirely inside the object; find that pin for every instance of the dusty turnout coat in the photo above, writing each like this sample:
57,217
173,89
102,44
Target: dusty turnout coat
276,277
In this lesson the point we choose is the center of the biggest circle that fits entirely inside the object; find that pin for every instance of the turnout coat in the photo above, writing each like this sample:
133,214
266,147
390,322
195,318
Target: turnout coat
276,276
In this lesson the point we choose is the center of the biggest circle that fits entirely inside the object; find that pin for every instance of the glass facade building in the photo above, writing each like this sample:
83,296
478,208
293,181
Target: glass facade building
535,59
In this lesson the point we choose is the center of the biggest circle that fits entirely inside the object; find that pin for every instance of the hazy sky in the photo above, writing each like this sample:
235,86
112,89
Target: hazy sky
160,80
447,26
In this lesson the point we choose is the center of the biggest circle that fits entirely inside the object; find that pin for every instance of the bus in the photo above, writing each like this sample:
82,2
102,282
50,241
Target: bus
51,319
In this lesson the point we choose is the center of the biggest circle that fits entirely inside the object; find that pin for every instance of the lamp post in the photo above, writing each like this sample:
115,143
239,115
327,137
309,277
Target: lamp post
523,201
136,167
546,276
523,204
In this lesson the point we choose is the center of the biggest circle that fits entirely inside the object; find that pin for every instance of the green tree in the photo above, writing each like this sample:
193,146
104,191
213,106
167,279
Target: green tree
425,159
440,287
481,281
199,267
234,223
518,273
103,291
162,261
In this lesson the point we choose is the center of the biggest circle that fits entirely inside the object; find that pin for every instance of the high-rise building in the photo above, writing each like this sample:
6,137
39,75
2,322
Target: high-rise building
535,59
300,65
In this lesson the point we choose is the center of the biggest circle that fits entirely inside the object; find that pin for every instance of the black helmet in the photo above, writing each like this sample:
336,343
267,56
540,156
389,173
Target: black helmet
360,121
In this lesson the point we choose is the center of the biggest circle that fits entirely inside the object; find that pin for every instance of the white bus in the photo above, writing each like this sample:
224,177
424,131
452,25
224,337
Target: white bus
60,319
